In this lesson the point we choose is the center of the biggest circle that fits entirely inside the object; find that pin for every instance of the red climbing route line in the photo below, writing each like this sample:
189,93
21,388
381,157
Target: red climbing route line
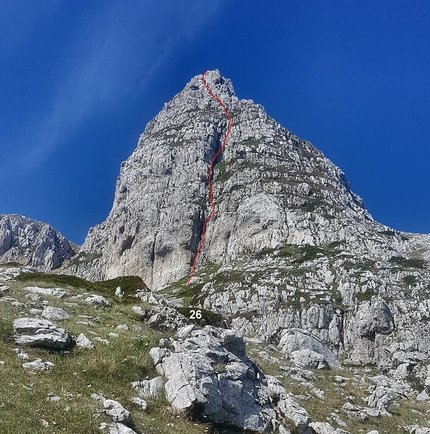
210,170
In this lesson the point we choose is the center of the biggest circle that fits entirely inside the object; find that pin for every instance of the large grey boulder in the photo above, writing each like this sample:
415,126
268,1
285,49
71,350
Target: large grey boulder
51,292
298,340
165,318
308,359
374,317
32,243
41,333
216,384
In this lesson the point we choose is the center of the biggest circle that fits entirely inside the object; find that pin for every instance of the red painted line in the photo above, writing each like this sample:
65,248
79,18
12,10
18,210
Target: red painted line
202,241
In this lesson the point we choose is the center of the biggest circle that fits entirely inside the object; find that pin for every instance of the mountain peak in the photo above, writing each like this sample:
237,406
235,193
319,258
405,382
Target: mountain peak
270,189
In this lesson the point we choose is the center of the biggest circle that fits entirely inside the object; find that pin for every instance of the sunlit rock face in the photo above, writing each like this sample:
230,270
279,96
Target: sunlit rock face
32,243
290,246
270,188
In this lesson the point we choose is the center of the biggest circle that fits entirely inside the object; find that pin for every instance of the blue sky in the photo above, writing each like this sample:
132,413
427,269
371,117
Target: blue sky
79,81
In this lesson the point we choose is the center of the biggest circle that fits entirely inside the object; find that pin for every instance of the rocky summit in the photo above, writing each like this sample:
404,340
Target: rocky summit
304,314
290,247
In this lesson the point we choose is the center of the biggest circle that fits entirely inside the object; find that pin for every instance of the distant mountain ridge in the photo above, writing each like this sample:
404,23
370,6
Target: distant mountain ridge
33,243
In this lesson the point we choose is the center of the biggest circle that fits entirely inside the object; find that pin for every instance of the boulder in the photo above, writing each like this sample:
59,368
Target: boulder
380,398
40,332
97,300
165,318
298,340
287,407
213,383
54,313
374,317
83,342
308,359
148,388
53,292
38,365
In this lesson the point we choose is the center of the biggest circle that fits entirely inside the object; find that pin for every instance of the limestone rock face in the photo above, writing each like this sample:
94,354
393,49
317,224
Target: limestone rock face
270,187
32,243
291,252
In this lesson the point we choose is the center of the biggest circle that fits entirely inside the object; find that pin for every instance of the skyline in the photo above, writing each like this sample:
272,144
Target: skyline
80,81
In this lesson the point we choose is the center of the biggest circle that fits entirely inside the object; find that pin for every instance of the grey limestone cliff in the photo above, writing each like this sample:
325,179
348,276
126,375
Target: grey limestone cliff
270,187
32,243
291,249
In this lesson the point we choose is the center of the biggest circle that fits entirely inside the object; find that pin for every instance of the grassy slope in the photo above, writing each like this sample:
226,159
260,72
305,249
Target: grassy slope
106,369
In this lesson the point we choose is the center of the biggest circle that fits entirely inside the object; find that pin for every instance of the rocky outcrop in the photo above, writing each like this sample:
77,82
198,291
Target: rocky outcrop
271,189
40,333
209,375
32,243
291,249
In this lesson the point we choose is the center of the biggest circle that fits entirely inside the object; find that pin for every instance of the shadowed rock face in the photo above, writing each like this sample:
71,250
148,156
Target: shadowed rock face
32,243
270,188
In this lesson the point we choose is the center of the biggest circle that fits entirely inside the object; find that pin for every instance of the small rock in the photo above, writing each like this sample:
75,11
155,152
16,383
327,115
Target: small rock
99,339
148,388
185,332
423,396
113,335
119,292
24,356
83,342
38,365
119,428
138,310
354,411
54,313
117,412
3,290
164,343
325,428
97,300
44,423
122,327
141,403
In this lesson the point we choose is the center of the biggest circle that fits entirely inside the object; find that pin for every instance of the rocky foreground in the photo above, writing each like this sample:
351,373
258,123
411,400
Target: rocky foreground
138,349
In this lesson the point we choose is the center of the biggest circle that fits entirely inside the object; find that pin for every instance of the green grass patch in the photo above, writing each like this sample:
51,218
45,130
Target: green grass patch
366,295
129,284
407,263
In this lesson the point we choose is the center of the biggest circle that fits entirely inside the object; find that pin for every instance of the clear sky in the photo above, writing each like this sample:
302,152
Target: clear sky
79,80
